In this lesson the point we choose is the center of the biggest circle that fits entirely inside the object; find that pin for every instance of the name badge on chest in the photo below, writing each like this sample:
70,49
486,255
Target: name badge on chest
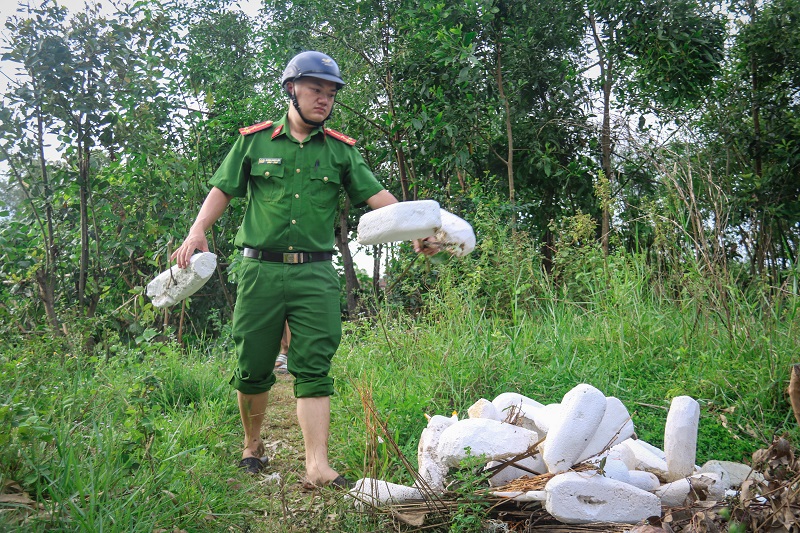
270,160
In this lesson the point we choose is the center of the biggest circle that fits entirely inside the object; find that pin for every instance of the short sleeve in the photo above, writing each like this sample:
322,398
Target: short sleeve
233,174
361,184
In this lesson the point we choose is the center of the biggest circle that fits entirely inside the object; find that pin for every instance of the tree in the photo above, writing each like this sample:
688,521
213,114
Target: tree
88,79
29,107
751,129
665,53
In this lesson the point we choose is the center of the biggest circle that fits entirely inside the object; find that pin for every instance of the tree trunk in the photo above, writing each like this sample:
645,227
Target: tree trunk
605,146
607,77
83,269
509,135
221,276
402,167
46,278
394,138
755,110
351,281
396,141
377,254
45,275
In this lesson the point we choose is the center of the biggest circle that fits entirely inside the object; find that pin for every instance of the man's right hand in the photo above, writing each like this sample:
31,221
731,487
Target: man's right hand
427,246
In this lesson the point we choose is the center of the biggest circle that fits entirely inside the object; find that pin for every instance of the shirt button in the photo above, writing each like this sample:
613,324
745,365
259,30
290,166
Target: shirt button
266,173
297,196
301,145
294,222
325,178
291,248
298,171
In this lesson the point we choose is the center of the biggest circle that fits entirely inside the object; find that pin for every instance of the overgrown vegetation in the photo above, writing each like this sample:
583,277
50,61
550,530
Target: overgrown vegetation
145,437
637,228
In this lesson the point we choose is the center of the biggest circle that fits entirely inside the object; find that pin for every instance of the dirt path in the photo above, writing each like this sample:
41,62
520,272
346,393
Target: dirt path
279,503
281,431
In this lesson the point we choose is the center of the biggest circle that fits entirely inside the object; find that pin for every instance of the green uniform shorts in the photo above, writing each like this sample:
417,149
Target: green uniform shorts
307,295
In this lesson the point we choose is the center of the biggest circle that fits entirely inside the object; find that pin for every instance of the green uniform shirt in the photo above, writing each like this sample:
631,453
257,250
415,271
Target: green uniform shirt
292,187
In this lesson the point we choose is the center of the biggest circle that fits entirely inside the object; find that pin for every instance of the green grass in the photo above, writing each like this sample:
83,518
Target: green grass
143,440
135,444
621,339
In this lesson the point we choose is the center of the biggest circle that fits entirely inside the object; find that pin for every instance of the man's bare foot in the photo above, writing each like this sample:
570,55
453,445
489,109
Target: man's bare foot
339,482
321,476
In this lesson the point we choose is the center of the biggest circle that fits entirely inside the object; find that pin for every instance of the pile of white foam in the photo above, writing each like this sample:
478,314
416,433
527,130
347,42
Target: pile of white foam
630,480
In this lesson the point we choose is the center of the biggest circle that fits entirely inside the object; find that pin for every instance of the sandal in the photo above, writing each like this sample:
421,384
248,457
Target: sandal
280,365
253,465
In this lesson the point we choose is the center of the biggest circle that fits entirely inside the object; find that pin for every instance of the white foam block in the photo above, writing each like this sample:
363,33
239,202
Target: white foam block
376,492
512,399
516,407
481,436
582,410
176,284
643,480
519,496
646,457
526,417
623,453
483,408
431,470
581,498
546,417
455,235
655,450
615,427
510,473
617,469
731,474
680,437
677,493
403,221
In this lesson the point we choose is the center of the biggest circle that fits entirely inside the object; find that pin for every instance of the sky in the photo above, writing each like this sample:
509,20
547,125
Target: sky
8,8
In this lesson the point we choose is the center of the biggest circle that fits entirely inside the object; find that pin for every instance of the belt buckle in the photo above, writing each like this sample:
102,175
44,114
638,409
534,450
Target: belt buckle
292,258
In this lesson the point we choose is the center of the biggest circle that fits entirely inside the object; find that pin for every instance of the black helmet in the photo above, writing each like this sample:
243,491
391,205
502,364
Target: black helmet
313,65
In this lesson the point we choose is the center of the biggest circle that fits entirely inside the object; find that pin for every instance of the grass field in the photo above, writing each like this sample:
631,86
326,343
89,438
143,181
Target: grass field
146,437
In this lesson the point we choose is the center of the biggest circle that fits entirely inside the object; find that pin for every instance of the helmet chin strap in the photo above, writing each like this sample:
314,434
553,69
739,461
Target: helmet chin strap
307,121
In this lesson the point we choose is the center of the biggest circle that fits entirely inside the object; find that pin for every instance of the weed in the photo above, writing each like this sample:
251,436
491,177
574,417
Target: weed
470,488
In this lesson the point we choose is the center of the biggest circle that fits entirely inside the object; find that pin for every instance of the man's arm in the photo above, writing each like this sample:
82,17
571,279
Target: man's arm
213,207
381,199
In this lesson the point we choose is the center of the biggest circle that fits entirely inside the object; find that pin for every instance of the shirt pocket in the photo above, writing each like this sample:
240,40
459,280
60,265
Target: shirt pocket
324,187
268,181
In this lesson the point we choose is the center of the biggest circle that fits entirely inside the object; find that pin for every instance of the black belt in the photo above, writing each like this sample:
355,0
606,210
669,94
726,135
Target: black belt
292,258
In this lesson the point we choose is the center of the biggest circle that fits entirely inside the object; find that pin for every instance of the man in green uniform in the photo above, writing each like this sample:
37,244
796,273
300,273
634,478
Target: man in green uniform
291,172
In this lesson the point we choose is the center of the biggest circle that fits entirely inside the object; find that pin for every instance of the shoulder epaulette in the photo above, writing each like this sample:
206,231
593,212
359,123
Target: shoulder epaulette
255,127
340,136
